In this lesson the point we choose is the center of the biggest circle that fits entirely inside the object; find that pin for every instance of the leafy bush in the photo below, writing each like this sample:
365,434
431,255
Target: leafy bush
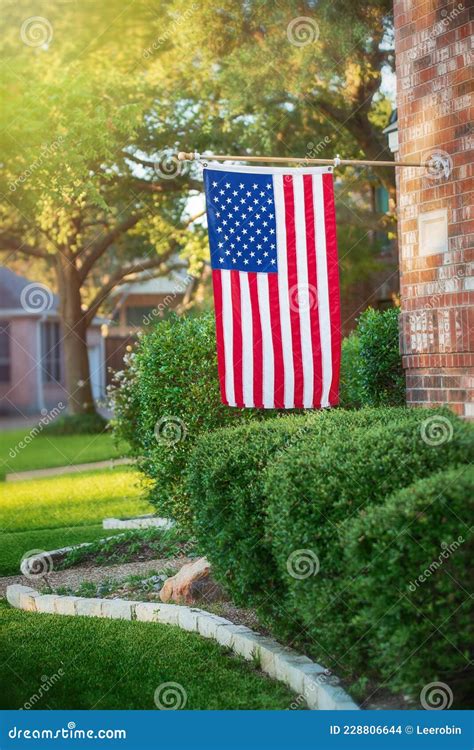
410,562
226,483
315,489
349,390
76,424
381,379
168,396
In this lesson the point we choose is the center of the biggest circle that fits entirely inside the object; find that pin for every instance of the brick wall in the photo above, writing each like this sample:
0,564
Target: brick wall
434,80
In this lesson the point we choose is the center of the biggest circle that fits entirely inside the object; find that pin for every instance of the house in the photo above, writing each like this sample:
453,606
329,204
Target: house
433,127
31,352
138,304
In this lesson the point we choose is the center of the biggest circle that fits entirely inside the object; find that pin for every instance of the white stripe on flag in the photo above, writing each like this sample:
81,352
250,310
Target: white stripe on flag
303,297
285,319
323,291
228,336
268,390
247,340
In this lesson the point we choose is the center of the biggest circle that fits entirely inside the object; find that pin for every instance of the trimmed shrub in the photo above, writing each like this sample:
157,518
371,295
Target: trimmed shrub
350,395
380,379
410,562
226,484
76,424
167,397
315,489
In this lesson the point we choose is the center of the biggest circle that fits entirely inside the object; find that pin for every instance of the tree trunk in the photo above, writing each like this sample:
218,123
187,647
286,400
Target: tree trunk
74,332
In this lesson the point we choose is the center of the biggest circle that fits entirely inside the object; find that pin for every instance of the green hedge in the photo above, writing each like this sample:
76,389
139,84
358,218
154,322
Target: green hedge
371,365
314,491
76,424
410,562
165,398
270,498
226,484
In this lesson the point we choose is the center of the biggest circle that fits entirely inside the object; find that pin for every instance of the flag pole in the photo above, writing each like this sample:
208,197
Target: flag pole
336,162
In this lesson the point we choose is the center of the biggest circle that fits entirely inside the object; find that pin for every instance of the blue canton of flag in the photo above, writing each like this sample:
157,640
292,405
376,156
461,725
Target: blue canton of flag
241,220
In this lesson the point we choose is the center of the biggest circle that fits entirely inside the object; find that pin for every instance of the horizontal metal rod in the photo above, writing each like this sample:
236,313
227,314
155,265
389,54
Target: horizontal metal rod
185,156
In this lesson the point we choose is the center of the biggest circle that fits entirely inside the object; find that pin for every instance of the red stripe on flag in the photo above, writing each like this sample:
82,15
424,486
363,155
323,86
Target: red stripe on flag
293,288
257,339
313,287
217,283
333,285
279,370
237,336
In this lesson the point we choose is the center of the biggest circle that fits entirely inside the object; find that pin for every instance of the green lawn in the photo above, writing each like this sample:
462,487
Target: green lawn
14,546
92,663
44,451
58,511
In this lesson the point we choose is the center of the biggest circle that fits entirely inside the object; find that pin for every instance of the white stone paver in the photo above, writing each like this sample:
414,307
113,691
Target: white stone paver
118,609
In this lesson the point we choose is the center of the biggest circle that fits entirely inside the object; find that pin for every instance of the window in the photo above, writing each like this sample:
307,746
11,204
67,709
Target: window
4,351
51,352
137,316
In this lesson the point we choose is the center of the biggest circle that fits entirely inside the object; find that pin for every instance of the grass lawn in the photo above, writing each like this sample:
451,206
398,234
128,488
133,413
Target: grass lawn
44,451
113,664
16,544
58,511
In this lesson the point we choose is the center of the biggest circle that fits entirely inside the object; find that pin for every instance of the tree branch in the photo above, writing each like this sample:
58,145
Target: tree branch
10,243
119,276
97,249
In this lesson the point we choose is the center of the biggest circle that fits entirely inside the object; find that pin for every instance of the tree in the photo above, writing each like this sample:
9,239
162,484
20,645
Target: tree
84,186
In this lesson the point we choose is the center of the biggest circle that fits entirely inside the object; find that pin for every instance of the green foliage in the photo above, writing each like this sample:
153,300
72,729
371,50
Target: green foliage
133,545
226,483
166,398
314,491
349,388
77,424
410,565
381,377
270,497
89,657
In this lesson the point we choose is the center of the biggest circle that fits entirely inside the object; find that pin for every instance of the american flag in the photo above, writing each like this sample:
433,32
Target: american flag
272,234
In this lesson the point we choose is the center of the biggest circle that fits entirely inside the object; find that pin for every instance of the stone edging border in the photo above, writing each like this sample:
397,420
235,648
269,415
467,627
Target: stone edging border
310,681
142,522
42,561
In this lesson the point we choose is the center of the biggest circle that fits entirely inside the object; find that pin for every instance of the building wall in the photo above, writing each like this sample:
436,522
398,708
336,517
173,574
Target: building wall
436,251
21,393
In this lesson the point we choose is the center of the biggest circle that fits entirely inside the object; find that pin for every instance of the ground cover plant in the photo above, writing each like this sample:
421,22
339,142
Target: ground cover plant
95,663
136,545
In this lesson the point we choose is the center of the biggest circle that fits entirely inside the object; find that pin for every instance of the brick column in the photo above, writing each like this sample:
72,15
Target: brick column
435,225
